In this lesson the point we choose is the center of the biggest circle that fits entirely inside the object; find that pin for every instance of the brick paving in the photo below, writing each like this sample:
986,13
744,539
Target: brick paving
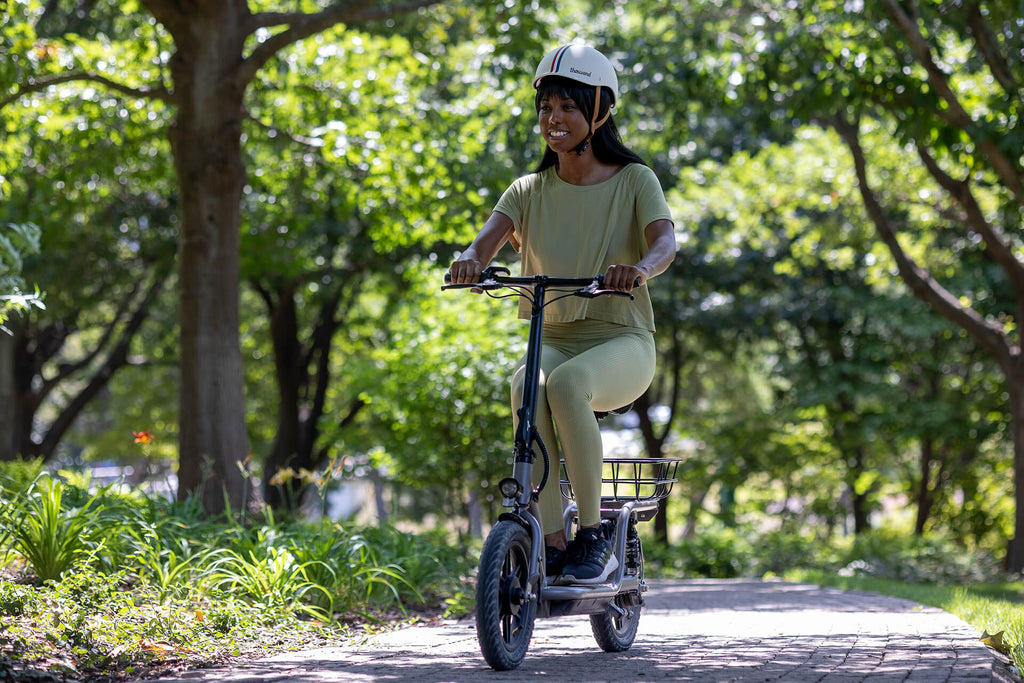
703,630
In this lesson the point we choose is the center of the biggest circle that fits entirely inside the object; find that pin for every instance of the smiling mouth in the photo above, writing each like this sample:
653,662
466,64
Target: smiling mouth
558,134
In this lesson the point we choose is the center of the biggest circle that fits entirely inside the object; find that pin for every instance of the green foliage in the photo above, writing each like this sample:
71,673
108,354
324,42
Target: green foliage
171,572
52,537
891,554
438,389
857,379
275,581
190,588
92,624
16,242
721,554
916,559
17,475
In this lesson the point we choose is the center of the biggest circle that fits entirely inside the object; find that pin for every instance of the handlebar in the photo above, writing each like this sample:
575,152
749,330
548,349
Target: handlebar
496,277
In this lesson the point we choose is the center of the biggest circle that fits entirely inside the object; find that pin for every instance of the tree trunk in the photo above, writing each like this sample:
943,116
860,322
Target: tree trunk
474,514
654,445
303,374
927,491
924,489
859,501
8,392
206,142
17,413
284,333
1015,386
696,505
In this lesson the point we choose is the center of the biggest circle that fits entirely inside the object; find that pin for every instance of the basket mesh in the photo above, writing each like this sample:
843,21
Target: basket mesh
625,479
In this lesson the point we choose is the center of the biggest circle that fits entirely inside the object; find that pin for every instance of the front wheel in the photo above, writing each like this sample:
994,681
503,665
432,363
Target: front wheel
615,629
505,610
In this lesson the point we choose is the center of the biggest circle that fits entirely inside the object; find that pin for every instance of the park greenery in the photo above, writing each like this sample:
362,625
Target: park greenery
238,219
104,583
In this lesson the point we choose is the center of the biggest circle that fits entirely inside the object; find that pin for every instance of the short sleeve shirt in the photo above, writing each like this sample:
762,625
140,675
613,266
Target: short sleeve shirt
566,230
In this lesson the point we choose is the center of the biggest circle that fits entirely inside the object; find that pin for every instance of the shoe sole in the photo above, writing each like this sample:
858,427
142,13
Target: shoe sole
601,578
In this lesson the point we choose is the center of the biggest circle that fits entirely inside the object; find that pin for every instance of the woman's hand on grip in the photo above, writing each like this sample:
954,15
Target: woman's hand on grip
465,271
623,278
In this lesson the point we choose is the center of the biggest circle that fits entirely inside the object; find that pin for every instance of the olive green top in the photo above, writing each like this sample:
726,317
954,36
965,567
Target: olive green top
565,230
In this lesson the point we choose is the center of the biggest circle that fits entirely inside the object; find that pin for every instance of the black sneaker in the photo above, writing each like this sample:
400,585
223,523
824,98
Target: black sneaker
593,562
554,560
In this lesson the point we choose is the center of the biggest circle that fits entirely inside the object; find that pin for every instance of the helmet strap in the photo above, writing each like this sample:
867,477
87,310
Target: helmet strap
594,123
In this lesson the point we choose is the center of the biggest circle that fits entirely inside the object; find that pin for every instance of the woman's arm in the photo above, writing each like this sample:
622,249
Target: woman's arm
496,231
661,243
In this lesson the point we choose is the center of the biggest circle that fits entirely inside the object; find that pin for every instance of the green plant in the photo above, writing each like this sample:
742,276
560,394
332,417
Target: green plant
14,599
459,603
170,598
17,475
169,570
889,554
275,580
722,553
357,575
49,537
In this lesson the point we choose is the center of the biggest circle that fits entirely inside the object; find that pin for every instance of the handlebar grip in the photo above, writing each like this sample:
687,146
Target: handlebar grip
600,281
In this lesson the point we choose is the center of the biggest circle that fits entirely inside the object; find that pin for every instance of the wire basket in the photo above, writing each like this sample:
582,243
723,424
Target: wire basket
625,479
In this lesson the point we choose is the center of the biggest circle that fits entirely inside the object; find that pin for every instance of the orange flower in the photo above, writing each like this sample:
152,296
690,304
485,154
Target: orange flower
143,437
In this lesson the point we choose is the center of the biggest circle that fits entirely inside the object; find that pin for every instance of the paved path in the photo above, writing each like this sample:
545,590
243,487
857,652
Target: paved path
703,630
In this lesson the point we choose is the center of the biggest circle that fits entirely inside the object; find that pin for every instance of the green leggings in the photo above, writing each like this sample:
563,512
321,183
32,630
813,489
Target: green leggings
586,365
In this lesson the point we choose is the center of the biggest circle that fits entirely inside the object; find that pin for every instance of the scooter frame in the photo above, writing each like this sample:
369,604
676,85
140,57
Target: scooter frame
511,587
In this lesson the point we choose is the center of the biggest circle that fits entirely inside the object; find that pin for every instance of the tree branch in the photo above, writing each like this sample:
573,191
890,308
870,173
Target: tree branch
66,370
937,78
117,358
921,283
301,26
312,143
988,46
37,84
994,238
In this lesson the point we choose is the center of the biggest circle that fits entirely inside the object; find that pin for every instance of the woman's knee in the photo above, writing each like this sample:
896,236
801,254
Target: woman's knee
569,382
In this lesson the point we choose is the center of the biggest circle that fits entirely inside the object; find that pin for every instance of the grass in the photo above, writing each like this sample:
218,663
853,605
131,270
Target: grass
996,609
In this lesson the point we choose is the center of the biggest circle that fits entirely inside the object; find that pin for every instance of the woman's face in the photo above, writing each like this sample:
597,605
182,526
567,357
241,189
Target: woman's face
562,123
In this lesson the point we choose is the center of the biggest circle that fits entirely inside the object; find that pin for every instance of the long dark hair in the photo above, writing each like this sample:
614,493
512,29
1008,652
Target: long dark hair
607,144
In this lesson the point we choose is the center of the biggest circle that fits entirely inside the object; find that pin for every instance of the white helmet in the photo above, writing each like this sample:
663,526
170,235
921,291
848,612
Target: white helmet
579,63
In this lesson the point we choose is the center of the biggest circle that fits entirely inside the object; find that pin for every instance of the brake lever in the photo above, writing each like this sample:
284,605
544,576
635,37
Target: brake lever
593,290
491,271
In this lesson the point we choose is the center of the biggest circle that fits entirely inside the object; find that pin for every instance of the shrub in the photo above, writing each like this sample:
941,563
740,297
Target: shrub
38,526
722,554
915,559
732,552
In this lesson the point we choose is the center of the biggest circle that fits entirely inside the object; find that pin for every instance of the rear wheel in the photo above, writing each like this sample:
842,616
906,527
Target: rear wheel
504,612
615,629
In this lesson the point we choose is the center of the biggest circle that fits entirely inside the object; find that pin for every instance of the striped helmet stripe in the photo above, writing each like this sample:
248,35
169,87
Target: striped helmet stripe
556,61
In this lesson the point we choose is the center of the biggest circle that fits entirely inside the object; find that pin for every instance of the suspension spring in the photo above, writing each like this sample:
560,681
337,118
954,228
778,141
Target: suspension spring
634,556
